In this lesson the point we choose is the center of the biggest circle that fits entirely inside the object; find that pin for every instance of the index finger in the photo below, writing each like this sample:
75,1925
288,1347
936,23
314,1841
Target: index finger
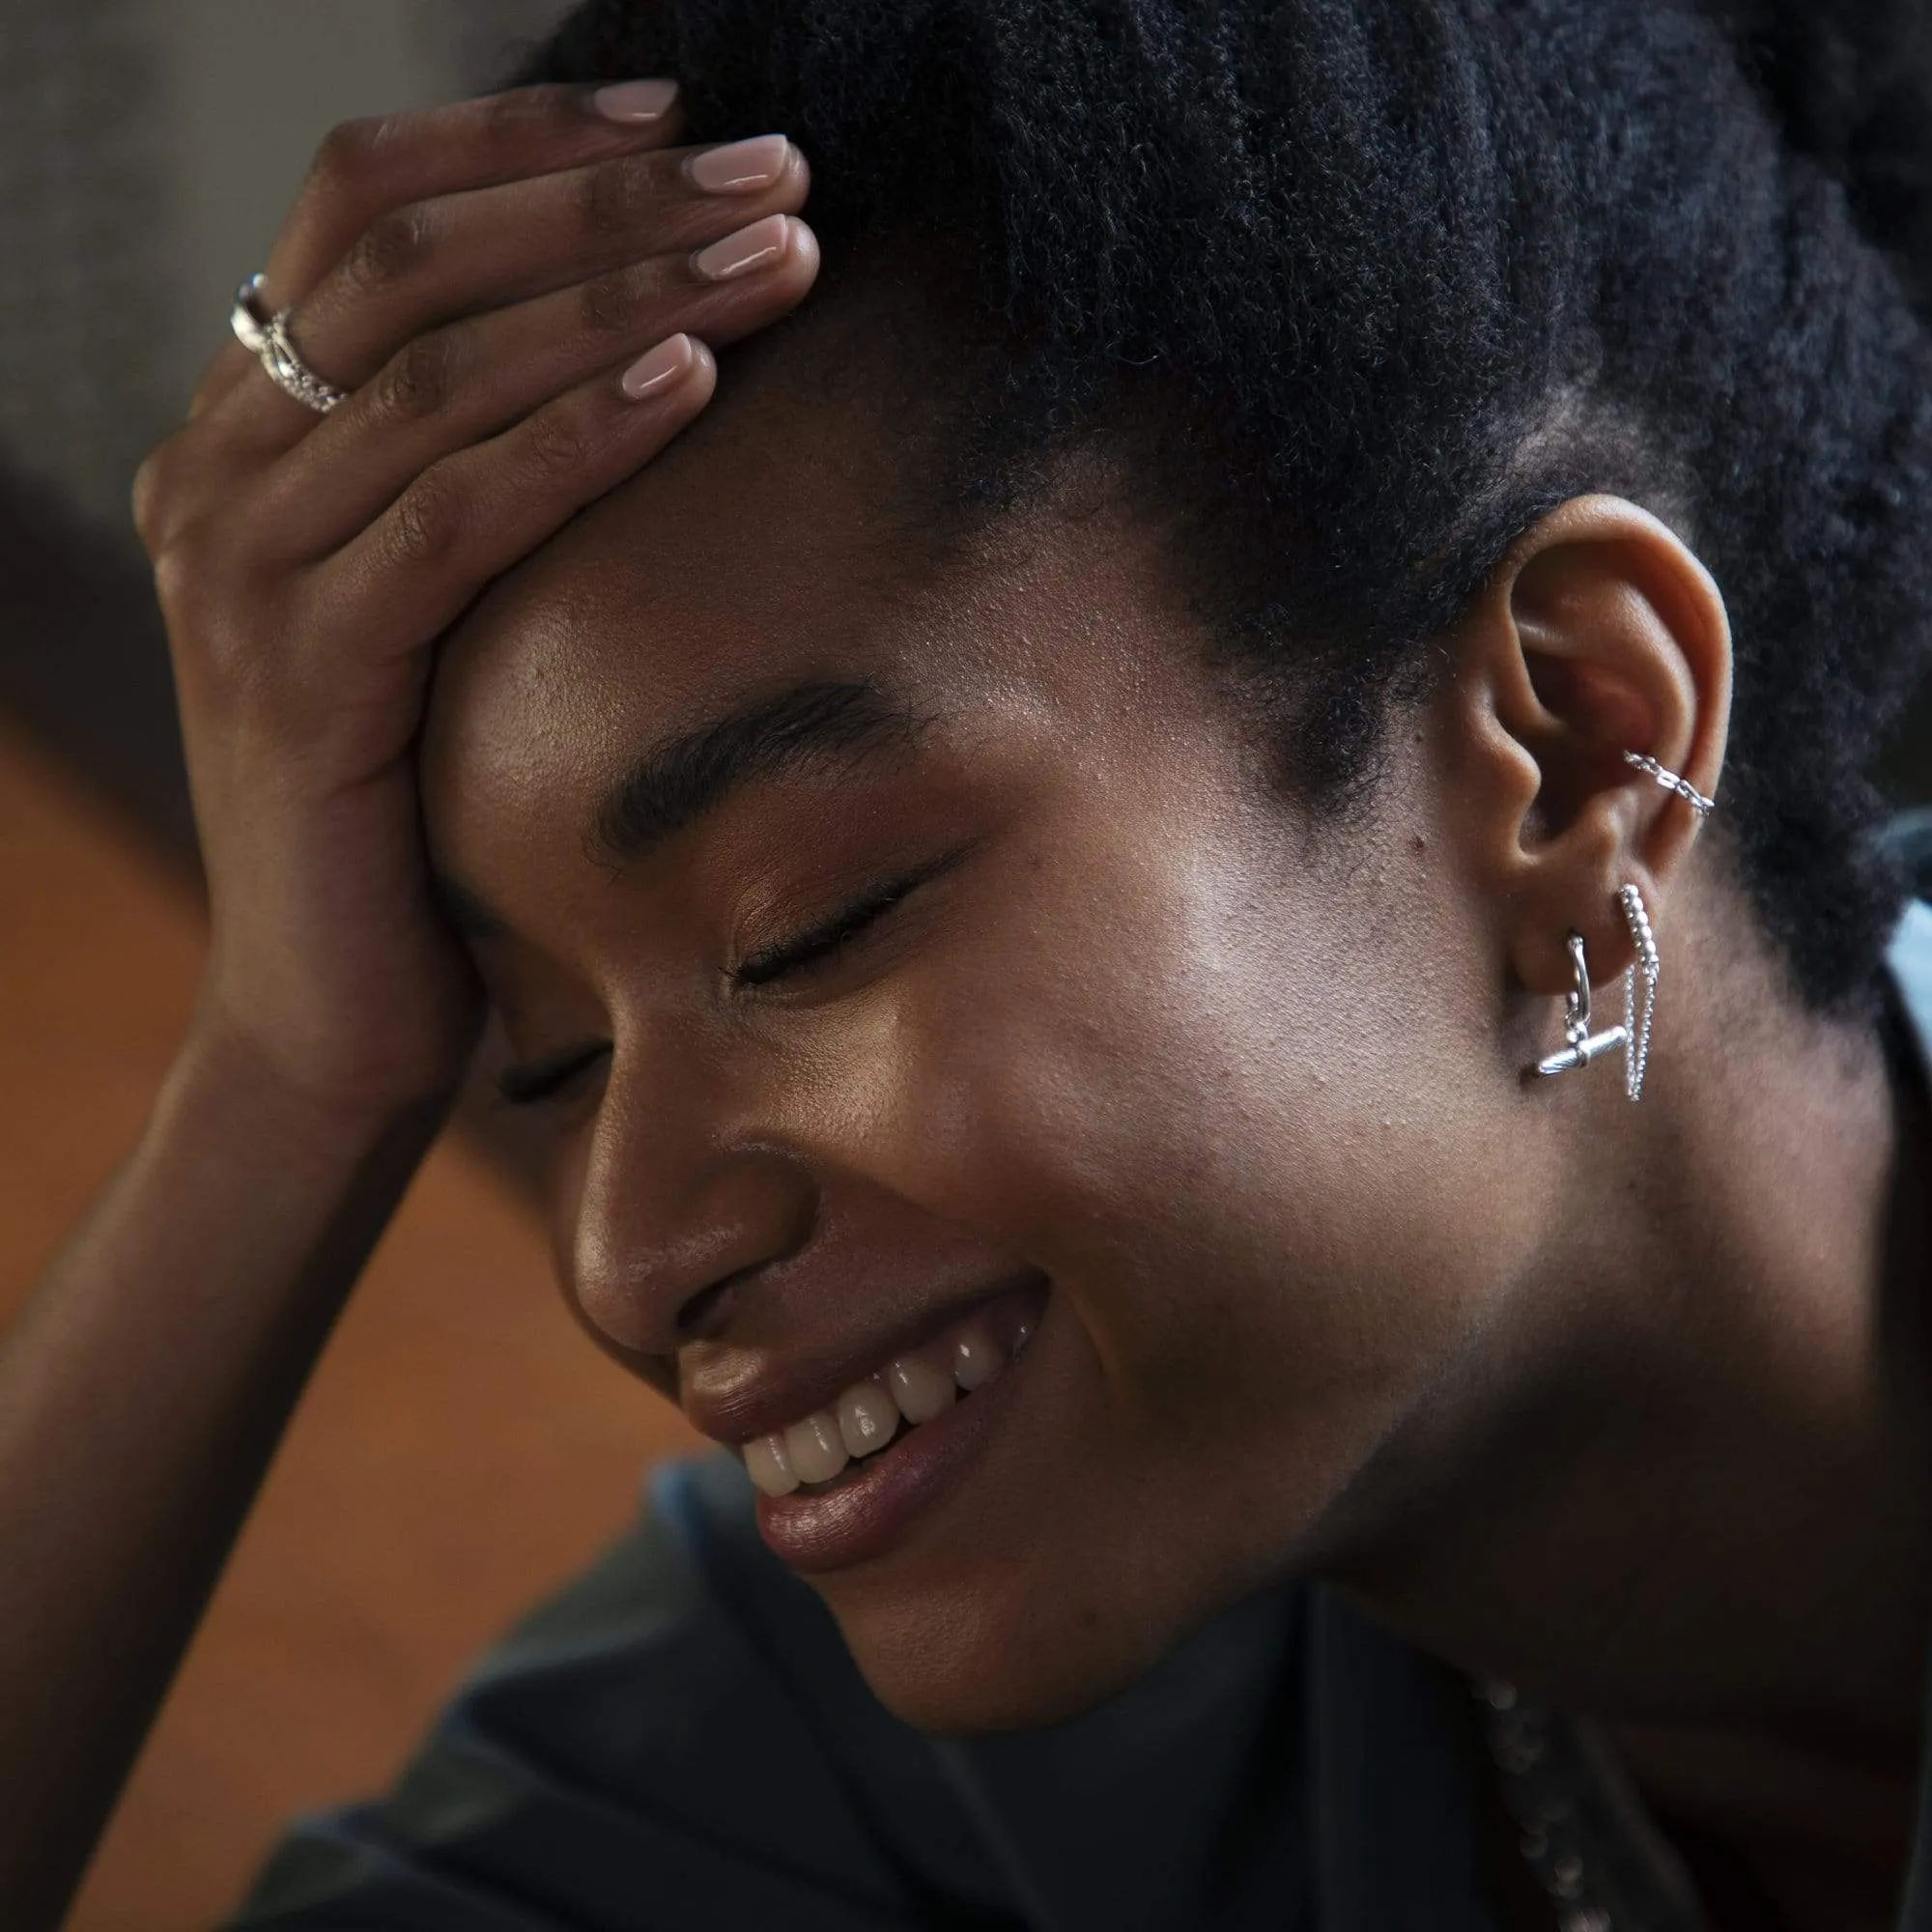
365,170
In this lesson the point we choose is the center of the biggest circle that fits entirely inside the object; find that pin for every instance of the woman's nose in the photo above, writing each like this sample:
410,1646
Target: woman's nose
675,1209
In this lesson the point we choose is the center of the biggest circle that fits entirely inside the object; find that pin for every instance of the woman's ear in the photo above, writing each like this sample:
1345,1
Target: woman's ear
1599,634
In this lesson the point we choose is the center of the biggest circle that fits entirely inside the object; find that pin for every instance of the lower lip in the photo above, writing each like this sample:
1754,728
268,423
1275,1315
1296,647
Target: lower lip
867,1516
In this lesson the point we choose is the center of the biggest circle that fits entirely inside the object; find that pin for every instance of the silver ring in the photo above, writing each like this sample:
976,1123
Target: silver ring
247,319
267,338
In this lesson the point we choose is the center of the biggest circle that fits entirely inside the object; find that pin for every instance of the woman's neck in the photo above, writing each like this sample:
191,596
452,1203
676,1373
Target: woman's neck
1706,1517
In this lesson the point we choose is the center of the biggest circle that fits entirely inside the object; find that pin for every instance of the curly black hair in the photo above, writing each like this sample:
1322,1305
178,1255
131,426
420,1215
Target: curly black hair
1394,277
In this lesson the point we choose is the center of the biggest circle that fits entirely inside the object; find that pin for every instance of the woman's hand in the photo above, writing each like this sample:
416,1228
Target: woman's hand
480,278
484,279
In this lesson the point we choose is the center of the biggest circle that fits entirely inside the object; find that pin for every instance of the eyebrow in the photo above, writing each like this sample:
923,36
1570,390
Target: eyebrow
680,781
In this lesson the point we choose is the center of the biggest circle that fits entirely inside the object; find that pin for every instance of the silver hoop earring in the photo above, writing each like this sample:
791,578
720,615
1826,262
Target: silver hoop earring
1633,1035
1583,1045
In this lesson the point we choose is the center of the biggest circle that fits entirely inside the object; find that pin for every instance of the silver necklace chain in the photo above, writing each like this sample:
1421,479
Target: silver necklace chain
1597,1860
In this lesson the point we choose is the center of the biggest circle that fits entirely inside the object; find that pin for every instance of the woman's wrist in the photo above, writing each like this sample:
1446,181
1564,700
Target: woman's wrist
226,1072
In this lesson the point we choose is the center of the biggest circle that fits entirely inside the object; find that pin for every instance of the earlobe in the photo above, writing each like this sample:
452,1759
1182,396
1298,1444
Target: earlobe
1598,636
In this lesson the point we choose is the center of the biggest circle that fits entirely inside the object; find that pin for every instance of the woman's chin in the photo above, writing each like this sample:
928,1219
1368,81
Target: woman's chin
965,1667
993,1694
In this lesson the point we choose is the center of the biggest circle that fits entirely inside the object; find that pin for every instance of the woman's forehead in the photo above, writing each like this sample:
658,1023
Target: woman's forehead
746,555
753,584
769,545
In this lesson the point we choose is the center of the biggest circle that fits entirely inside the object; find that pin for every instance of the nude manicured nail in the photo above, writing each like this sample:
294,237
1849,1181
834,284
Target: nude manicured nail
657,368
635,99
758,246
738,167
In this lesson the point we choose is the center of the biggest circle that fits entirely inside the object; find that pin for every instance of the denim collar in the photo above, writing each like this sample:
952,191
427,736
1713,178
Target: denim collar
1908,961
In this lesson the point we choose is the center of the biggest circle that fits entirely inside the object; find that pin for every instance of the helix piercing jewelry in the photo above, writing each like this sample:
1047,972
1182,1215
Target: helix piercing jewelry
1703,807
1581,1044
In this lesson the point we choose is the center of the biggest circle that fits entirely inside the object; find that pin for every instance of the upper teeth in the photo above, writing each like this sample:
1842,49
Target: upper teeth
917,1387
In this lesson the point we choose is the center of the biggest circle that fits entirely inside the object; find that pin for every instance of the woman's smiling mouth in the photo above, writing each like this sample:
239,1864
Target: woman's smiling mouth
842,1482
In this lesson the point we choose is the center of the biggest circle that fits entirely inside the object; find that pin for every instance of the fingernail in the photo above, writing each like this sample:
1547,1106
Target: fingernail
657,368
635,99
741,165
758,246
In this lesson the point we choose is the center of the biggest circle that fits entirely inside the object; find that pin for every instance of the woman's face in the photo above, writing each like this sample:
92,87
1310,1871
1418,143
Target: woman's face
934,964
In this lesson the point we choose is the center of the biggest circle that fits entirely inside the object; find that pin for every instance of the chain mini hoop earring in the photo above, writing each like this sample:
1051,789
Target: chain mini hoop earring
1583,1045
1633,1035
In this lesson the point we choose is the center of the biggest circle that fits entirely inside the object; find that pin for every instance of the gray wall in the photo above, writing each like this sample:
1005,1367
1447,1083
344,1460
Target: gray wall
148,150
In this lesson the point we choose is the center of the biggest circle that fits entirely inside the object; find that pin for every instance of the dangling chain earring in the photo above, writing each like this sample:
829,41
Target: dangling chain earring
1582,1045
1636,1027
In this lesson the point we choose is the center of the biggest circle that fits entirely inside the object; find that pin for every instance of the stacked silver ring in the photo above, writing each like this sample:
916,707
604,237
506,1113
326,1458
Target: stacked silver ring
267,338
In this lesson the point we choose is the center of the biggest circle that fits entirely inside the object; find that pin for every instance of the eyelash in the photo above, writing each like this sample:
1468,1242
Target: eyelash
821,942
527,1086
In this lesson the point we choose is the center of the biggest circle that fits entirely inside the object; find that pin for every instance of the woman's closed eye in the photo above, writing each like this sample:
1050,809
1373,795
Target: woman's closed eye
824,941
531,1082
524,1085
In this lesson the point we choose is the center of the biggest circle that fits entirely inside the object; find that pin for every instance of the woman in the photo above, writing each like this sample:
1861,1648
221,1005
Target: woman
1031,853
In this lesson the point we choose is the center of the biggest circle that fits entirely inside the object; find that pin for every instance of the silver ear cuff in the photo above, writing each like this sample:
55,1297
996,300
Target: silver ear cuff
1703,807
1634,1034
